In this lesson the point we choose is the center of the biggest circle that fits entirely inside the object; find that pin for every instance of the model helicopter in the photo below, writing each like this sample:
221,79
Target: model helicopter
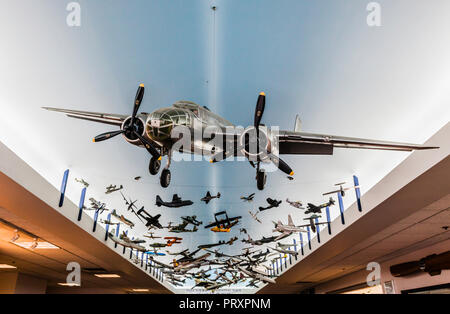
159,133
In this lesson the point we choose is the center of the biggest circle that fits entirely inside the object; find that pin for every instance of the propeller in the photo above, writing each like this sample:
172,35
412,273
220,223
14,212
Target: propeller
131,127
259,111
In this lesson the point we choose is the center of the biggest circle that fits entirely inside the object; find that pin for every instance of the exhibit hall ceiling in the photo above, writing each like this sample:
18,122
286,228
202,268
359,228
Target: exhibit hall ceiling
320,60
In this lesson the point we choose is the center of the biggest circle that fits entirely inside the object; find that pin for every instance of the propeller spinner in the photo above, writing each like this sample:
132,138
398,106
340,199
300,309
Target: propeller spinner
131,128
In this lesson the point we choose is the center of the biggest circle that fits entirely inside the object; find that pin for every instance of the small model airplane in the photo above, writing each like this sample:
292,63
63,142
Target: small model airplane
312,223
192,220
223,225
209,197
137,178
283,251
208,246
272,203
176,202
311,208
151,236
108,222
286,230
255,216
181,228
341,189
113,188
255,275
126,242
231,241
296,204
122,219
173,240
152,221
261,241
82,182
96,205
248,198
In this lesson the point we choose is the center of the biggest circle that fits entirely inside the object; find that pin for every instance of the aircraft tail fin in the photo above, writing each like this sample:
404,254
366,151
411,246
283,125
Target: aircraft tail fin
159,201
298,124
290,222
218,194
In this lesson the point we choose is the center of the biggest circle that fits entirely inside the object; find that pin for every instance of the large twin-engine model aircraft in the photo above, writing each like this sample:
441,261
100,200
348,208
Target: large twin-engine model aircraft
154,132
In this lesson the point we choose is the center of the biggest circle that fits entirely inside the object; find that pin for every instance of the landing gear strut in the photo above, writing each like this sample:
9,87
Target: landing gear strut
154,166
165,173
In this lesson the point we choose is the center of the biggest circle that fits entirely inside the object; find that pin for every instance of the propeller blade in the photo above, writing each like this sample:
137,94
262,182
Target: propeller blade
106,136
218,157
138,100
148,146
260,104
282,165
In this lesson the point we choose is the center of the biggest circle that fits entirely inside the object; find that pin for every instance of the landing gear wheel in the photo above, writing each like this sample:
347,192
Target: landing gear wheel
261,179
165,178
154,166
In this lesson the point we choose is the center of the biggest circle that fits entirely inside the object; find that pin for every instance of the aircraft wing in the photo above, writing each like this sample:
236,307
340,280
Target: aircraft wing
300,143
107,118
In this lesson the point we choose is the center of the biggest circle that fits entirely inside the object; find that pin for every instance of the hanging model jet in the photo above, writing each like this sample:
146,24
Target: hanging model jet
261,241
284,251
82,182
122,219
286,230
296,204
176,202
272,203
209,197
113,188
126,242
311,208
152,221
211,245
248,198
160,133
341,189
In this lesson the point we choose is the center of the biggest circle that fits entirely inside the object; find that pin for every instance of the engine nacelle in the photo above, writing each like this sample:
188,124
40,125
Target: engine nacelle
139,127
253,147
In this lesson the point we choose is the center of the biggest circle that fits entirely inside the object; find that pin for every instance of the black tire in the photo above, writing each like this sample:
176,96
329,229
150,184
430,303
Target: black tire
261,179
154,166
165,178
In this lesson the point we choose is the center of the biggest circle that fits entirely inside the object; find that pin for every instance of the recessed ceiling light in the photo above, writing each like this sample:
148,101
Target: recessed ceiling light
36,245
68,284
140,290
107,275
6,266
